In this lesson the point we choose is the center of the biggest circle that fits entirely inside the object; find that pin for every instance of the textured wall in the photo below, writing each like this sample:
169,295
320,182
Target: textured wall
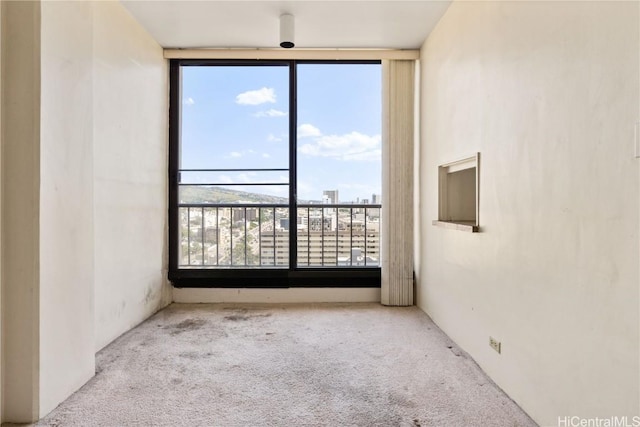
548,93
66,201
83,242
130,170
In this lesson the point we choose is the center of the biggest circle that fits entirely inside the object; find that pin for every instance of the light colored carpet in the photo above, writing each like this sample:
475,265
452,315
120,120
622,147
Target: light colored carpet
289,365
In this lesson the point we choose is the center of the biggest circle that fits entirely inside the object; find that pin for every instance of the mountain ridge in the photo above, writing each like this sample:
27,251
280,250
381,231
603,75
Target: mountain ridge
203,194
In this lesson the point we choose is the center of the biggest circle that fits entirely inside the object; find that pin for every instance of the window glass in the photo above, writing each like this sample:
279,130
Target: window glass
339,162
234,178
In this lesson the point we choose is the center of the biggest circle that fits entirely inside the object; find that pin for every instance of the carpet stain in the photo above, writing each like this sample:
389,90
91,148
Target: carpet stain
243,318
193,355
398,399
236,318
236,309
454,350
190,355
185,325
105,363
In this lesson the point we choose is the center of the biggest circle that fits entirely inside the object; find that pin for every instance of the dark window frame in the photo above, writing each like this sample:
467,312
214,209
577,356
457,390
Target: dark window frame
268,277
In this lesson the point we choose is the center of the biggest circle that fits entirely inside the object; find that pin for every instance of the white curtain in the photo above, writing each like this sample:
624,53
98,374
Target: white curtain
398,110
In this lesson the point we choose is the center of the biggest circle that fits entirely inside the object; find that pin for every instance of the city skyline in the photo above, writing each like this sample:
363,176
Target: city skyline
259,236
218,195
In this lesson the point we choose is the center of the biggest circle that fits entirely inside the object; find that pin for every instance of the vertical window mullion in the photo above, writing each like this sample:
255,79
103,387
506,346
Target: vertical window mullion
293,187
174,162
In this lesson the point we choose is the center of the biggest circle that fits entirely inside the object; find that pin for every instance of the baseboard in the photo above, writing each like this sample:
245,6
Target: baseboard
289,295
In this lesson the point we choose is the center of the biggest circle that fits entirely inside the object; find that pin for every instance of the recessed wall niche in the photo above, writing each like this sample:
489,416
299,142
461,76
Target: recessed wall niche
458,194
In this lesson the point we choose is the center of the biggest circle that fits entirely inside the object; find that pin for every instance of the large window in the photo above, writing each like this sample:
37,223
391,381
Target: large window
275,173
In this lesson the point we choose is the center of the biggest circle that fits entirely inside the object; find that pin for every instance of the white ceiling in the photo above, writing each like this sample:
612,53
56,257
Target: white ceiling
388,24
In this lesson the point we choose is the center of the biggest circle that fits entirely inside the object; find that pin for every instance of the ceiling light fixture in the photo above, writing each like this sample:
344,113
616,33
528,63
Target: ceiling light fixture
287,28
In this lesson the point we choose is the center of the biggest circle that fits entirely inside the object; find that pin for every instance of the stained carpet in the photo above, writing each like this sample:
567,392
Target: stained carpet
287,365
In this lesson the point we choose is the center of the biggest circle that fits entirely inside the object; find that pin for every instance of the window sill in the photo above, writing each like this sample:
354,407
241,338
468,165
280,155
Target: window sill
467,226
275,277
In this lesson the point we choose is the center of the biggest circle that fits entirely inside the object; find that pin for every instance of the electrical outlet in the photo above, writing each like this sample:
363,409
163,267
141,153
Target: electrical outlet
495,344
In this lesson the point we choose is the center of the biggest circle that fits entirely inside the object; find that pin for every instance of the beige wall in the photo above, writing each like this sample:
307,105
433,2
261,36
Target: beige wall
130,173
84,91
66,202
20,201
548,93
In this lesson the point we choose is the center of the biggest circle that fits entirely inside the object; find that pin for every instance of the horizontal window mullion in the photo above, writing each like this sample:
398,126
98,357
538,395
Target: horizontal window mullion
224,184
233,170
232,205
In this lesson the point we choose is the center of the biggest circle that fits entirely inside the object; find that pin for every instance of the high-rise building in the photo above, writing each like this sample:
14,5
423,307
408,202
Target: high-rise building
321,248
376,199
331,196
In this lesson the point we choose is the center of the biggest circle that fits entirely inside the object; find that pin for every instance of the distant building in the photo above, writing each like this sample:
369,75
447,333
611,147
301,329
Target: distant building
211,235
376,199
331,196
248,214
322,248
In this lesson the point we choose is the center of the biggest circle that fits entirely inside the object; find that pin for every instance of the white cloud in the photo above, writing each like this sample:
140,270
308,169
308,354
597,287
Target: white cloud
306,130
364,156
271,113
243,177
273,138
266,155
351,146
257,97
237,154
236,179
188,101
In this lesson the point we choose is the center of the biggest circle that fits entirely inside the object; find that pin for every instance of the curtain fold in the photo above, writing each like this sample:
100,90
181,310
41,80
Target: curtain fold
398,92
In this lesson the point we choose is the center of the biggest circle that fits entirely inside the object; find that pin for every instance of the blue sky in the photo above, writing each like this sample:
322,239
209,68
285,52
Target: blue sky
238,117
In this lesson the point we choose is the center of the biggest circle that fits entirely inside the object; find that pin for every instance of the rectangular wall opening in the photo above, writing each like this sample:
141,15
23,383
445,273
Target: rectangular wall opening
458,194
